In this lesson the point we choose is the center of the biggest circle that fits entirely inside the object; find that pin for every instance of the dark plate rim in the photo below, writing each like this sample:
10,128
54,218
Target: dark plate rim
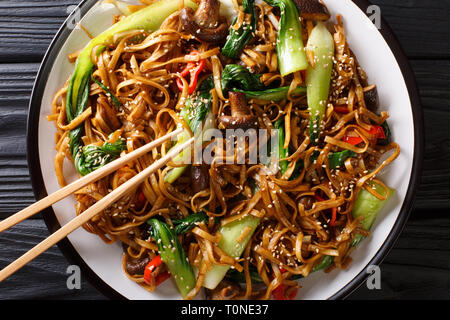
73,256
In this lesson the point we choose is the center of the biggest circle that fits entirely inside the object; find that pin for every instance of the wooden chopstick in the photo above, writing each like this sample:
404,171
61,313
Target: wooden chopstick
84,181
89,213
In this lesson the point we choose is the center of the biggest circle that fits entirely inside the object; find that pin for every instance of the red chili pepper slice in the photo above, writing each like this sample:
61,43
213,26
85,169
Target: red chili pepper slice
375,130
187,69
141,199
319,198
372,131
292,294
193,69
150,267
341,109
333,210
160,278
353,140
333,216
380,132
279,292
194,76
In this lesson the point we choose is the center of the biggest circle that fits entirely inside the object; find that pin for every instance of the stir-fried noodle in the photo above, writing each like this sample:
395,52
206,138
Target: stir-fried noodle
304,212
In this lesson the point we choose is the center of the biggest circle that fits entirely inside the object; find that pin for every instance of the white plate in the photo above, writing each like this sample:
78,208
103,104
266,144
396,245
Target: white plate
101,263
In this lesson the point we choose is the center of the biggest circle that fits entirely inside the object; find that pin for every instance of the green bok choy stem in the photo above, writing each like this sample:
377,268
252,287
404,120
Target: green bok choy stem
229,244
173,255
368,206
318,77
290,49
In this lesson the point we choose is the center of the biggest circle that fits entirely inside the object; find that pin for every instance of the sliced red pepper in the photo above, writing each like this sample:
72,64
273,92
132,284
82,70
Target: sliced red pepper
160,278
341,109
303,73
279,292
193,69
333,210
375,130
333,216
353,140
194,76
150,267
318,198
293,294
381,135
187,69
141,199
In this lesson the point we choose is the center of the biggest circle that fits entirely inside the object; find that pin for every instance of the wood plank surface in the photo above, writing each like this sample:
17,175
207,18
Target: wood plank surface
421,26
27,27
43,278
416,268
16,82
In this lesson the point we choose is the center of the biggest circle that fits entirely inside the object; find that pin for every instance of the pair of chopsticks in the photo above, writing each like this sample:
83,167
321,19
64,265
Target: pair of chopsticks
88,214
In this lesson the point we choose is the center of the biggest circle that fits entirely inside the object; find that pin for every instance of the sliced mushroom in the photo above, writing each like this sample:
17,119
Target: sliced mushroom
136,266
205,23
312,10
226,290
307,202
199,177
241,116
107,114
371,98
207,14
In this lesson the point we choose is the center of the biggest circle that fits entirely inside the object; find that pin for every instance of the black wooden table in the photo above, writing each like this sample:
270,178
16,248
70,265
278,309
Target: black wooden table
418,267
